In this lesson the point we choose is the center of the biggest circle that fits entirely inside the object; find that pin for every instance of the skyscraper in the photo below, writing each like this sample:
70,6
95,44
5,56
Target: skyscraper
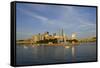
62,32
74,36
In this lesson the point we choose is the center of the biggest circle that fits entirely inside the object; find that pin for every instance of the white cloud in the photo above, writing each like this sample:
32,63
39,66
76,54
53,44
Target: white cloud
69,19
33,14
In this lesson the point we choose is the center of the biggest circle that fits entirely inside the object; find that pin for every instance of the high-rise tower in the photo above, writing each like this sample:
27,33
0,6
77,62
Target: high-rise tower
62,32
74,36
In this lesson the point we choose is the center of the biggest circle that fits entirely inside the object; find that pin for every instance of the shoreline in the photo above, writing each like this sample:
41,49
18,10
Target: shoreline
56,44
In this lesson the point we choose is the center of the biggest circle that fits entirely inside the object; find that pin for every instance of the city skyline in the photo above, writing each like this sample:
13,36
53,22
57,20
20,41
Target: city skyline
35,18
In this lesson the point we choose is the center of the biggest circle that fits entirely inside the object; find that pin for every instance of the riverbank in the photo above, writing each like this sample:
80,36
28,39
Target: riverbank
54,44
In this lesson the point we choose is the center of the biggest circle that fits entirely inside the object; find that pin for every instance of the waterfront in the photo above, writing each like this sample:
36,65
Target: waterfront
30,54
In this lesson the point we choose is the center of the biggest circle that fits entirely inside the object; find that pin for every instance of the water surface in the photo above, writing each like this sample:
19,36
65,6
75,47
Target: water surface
29,54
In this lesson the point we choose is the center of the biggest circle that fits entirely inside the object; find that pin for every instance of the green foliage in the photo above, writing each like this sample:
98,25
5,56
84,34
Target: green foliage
47,41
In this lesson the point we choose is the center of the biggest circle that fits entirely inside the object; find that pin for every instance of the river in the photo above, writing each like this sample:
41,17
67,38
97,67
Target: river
32,55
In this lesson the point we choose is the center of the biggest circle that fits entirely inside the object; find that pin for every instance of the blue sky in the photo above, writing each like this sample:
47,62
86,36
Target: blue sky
35,18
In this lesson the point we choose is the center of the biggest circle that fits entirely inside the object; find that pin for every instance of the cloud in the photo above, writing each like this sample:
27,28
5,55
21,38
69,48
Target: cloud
32,14
67,17
78,22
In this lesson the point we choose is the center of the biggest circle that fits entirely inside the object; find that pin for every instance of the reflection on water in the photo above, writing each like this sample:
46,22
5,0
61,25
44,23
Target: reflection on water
25,47
29,54
72,51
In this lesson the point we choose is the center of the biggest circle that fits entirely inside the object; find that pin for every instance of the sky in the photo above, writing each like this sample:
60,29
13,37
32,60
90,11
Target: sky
39,18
